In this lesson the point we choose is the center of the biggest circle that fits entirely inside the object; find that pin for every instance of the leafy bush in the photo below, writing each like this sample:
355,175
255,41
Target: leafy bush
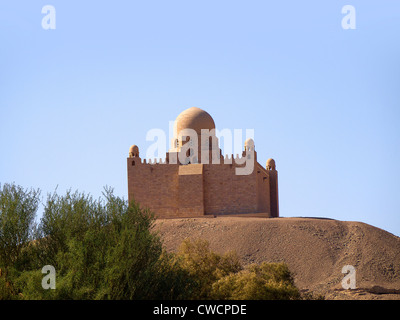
268,281
206,266
223,276
107,249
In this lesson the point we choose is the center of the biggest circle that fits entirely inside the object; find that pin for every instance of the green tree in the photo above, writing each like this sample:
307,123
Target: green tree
107,248
18,209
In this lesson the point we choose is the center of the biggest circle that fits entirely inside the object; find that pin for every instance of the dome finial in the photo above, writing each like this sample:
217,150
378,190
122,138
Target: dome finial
133,151
271,164
249,145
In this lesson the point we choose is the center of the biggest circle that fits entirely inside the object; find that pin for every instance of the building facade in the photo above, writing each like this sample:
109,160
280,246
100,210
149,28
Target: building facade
195,180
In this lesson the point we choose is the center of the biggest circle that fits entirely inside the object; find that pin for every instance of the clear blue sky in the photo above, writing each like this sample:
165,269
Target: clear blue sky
324,102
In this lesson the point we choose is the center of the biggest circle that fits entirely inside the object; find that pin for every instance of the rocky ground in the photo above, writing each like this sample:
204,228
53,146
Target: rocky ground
315,249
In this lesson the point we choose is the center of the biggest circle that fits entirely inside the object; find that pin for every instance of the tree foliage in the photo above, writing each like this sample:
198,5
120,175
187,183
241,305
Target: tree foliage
18,209
107,248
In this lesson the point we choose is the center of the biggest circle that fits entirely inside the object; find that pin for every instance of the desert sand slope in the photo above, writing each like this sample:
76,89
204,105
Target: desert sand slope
314,249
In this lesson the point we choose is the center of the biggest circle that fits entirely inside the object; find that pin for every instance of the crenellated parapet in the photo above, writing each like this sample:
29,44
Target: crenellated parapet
237,159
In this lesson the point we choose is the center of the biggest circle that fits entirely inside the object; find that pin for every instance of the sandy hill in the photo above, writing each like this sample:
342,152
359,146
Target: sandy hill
315,250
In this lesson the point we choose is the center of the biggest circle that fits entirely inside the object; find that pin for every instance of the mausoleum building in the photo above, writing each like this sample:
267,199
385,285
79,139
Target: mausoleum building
195,180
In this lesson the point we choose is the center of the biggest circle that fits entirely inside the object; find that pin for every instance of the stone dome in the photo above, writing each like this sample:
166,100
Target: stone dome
194,118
